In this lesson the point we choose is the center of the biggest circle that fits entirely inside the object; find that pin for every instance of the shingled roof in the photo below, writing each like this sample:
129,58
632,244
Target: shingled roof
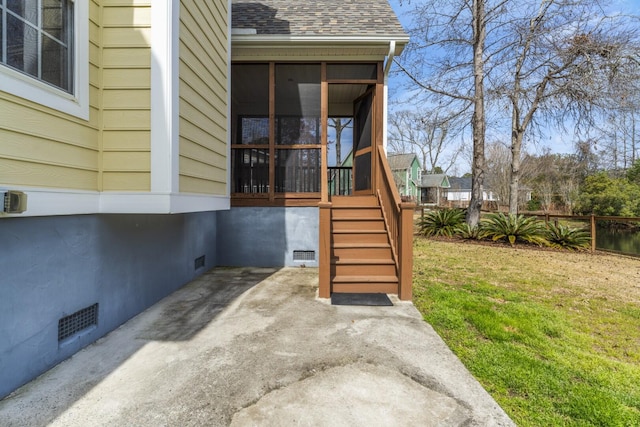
400,161
317,17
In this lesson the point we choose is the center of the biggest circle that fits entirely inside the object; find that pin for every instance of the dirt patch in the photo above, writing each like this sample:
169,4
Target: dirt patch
582,274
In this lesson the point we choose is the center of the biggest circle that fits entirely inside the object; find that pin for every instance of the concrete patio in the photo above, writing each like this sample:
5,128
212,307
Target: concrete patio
251,346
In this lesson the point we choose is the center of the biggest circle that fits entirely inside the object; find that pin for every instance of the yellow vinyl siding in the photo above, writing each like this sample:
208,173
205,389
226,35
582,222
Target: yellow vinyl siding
31,148
125,57
45,175
132,181
130,99
44,148
34,137
126,140
121,119
213,187
126,96
203,96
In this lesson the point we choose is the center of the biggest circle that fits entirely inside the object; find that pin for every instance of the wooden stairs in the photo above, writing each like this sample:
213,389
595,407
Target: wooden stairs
362,259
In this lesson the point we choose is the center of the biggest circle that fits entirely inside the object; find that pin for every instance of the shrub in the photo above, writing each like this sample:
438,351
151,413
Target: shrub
465,231
534,204
565,237
443,222
511,228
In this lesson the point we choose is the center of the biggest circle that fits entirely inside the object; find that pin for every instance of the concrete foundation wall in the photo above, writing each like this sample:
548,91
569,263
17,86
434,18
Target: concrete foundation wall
267,237
51,267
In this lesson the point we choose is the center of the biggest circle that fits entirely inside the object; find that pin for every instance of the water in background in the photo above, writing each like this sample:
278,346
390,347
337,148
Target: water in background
619,241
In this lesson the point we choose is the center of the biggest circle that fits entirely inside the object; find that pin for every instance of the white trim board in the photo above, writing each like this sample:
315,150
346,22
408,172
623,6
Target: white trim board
34,90
47,202
165,29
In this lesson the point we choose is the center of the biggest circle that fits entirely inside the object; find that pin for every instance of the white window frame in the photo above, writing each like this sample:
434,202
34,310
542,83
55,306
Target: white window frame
32,89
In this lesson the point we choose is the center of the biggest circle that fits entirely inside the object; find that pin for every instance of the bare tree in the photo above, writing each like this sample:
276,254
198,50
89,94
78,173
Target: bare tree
447,63
555,178
544,61
429,134
558,57
339,124
498,175
619,136
498,166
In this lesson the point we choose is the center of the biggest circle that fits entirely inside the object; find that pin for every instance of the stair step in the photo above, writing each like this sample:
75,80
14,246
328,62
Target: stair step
355,261
340,201
358,218
360,245
360,236
382,288
365,279
363,284
362,251
368,267
356,214
354,231
354,224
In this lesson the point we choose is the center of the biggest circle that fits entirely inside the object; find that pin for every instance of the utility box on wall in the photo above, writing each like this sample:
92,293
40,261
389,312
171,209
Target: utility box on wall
13,202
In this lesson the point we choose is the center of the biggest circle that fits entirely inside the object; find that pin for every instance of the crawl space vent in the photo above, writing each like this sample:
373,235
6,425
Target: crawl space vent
304,255
199,262
77,322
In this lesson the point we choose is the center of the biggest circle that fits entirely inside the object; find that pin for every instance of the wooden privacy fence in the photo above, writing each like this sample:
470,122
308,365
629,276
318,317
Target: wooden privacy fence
591,221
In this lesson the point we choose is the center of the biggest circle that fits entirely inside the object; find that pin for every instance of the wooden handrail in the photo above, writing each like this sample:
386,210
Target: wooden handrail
398,217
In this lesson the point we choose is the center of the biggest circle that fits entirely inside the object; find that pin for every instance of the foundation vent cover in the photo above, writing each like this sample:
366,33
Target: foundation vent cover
199,262
78,321
304,255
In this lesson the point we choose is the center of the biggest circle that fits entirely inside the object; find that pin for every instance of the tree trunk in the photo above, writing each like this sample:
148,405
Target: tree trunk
338,142
478,120
514,180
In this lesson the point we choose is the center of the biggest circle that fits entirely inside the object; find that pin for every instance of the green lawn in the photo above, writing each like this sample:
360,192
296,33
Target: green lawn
553,336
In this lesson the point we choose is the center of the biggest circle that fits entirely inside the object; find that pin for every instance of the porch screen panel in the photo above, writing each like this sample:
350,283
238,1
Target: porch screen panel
363,117
297,128
251,170
363,175
298,171
250,128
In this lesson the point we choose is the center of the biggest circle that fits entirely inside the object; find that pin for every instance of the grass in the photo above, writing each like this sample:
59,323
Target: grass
553,336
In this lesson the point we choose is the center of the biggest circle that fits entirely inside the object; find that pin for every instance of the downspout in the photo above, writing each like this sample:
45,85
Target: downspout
387,68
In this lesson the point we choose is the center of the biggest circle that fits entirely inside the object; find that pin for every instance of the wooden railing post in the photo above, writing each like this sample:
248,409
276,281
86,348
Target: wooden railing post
324,273
593,233
405,252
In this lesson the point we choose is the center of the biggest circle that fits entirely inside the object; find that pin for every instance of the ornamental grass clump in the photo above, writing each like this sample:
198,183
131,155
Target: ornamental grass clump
565,237
512,228
442,222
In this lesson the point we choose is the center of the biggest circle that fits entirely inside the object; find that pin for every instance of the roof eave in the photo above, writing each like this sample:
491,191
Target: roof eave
318,41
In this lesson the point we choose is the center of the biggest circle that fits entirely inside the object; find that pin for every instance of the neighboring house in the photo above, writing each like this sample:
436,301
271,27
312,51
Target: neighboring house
407,174
459,192
432,187
155,140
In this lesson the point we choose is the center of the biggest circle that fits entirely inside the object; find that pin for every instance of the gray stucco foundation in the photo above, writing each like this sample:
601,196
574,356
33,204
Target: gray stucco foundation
267,236
54,266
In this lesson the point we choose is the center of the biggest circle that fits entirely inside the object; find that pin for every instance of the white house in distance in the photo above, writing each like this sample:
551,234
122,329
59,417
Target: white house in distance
459,192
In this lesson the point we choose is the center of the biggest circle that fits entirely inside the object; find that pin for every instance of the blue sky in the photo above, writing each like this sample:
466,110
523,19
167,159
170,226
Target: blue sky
558,142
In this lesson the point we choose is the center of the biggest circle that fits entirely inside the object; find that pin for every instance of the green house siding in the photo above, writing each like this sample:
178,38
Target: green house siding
406,171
